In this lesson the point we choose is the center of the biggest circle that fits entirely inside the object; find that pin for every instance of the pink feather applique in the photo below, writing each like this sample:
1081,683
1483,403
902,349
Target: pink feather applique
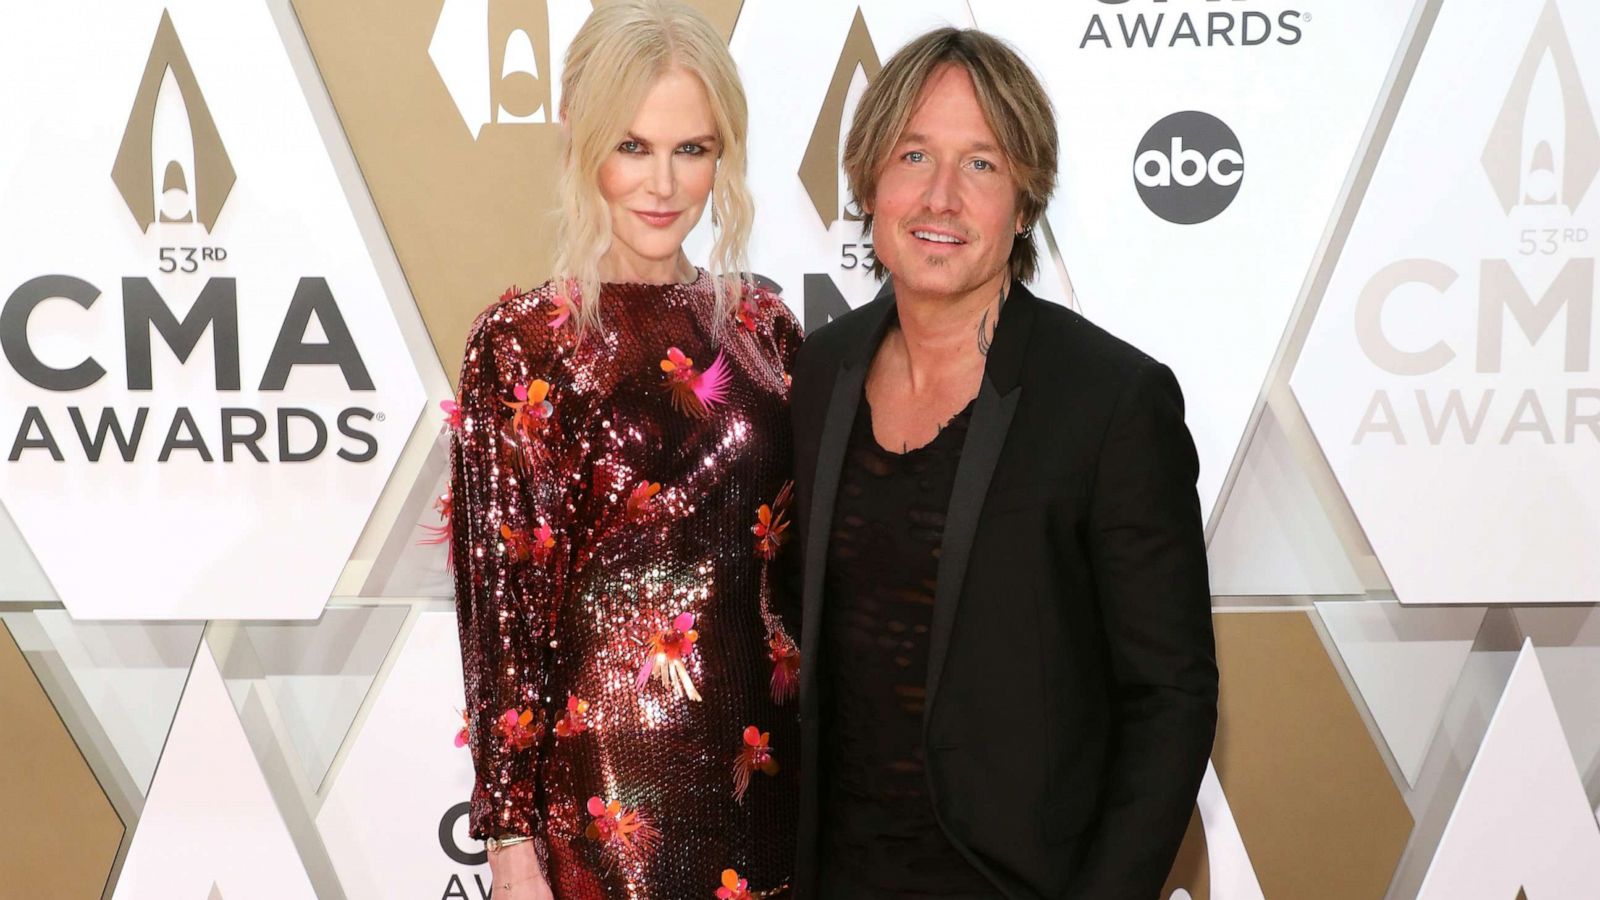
694,392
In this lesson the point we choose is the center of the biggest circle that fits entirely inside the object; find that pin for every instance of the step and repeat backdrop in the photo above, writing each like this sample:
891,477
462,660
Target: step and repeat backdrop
244,239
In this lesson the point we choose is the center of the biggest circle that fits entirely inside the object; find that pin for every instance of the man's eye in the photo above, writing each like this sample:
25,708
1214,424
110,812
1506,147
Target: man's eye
982,165
914,156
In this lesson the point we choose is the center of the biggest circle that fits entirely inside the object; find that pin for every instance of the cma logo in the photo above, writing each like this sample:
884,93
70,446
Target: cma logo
1540,167
171,167
501,60
450,843
301,434
1188,167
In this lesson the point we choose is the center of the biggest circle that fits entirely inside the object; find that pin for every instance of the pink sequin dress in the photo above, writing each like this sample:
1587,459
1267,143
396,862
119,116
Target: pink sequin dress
618,519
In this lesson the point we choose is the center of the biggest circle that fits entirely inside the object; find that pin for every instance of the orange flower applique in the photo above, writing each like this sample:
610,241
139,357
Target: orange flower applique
639,500
666,657
519,547
518,730
625,830
544,541
733,887
754,756
530,410
771,525
754,303
574,722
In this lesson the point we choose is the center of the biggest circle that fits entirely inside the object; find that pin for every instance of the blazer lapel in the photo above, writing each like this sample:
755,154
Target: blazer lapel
986,436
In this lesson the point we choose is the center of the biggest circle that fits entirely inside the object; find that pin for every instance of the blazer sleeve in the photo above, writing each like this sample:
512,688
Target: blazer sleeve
1148,561
510,480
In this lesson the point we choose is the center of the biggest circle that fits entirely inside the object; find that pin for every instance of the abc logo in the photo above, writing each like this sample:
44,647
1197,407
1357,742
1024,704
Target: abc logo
1188,167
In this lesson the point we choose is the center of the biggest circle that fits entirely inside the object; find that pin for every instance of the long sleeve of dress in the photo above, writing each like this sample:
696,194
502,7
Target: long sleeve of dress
515,469
782,334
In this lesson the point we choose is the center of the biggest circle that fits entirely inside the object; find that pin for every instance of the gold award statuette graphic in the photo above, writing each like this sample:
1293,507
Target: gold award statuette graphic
172,166
819,167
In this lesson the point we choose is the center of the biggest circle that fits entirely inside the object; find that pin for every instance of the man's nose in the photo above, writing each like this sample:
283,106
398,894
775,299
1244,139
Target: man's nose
943,194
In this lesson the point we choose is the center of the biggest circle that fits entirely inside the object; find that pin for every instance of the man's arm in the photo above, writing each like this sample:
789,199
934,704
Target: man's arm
1148,561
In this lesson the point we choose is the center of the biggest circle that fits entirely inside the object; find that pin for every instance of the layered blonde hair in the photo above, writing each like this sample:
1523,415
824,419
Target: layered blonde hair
1014,104
613,61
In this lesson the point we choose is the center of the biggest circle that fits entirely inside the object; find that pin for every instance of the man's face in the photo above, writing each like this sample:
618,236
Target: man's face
945,214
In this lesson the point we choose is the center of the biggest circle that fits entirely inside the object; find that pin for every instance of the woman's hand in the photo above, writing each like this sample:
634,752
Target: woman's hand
517,875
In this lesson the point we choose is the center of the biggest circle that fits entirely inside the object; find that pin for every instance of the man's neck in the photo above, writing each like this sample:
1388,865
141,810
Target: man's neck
939,335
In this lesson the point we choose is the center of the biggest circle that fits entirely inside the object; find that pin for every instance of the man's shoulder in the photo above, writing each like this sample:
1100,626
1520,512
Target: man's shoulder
828,345
1065,341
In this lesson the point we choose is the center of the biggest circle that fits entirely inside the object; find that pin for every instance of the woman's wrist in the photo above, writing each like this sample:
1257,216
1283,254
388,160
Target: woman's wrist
505,888
496,844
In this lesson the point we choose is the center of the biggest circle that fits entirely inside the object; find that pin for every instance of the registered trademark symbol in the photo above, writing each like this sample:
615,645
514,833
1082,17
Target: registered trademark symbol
1305,17
379,417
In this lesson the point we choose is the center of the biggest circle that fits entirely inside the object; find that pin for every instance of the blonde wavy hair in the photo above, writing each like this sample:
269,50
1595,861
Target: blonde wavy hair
613,61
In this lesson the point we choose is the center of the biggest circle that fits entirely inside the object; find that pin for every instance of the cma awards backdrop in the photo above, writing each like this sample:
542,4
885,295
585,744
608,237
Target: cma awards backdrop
244,241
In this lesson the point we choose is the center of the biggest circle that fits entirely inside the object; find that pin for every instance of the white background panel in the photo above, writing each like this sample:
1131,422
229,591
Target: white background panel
186,538
1496,502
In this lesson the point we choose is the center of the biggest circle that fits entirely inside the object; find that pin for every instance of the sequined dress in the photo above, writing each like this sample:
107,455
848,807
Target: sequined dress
618,521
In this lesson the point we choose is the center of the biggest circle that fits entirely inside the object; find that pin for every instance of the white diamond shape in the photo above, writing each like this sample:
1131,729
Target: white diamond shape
1441,456
187,538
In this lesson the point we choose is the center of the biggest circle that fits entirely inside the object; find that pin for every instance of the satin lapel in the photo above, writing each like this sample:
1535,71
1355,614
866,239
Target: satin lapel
986,434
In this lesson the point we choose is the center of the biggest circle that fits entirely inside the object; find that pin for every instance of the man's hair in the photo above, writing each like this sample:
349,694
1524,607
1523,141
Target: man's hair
1014,104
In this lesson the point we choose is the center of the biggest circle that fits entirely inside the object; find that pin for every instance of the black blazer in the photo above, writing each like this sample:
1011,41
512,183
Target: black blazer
1072,681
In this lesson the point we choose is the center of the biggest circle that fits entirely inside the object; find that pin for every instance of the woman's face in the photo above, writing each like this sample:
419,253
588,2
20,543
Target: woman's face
658,177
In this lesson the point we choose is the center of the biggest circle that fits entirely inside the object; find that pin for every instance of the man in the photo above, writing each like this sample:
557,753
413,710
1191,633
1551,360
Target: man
1008,685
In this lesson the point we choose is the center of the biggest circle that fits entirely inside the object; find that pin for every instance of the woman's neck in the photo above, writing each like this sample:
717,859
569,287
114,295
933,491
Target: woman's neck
622,267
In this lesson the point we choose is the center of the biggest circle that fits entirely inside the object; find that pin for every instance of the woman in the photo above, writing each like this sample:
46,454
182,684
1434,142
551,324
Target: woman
619,502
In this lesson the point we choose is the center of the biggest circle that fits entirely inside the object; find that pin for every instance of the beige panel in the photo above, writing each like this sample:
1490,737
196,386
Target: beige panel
1191,871
467,216
1320,815
59,833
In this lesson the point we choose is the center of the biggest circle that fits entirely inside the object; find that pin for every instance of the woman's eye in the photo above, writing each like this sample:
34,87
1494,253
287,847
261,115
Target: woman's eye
692,149
629,147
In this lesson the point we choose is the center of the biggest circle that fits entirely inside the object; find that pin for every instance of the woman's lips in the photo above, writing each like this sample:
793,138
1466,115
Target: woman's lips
658,219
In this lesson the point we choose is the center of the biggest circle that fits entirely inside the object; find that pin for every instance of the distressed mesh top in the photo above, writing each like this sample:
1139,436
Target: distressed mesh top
880,836
618,511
